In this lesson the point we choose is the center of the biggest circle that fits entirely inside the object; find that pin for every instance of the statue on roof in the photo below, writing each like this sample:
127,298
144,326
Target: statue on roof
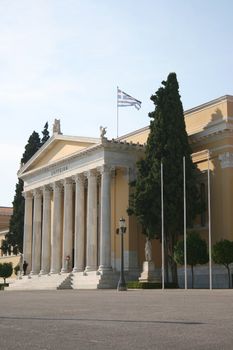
56,126
103,131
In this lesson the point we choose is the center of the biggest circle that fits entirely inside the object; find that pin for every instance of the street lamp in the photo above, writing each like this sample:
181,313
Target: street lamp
122,229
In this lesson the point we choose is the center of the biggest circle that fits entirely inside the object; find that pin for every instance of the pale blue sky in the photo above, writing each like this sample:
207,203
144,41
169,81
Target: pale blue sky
65,58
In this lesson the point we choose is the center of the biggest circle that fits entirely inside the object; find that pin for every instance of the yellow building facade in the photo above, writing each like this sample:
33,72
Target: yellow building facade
76,190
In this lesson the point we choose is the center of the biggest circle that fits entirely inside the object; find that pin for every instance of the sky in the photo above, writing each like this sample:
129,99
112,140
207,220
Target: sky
65,58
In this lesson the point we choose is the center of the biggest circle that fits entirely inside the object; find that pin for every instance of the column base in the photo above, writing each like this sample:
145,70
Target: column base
104,269
43,272
33,273
90,268
54,272
78,269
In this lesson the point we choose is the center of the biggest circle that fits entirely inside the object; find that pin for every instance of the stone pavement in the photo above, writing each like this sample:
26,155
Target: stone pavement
107,319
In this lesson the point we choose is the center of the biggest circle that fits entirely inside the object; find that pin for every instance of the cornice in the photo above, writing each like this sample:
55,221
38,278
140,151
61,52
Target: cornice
78,138
213,129
133,133
200,156
208,104
33,158
63,163
49,143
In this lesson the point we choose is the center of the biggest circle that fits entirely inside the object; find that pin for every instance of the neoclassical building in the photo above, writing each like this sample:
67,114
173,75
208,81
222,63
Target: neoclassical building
76,189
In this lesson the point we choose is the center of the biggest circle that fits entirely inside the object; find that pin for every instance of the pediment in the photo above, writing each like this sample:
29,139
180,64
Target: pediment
58,147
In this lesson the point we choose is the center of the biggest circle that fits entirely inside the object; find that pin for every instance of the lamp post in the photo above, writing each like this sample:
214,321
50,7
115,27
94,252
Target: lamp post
122,229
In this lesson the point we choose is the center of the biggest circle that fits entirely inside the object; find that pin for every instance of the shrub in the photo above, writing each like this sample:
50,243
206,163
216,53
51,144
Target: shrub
6,270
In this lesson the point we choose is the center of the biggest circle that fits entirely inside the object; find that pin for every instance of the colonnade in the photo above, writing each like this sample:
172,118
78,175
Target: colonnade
61,222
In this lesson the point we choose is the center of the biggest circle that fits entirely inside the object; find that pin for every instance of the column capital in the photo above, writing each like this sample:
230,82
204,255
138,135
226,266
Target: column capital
79,178
106,169
27,194
91,173
37,193
57,186
68,181
129,172
226,160
46,189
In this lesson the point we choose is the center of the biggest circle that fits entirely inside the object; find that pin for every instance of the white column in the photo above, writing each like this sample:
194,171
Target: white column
91,263
56,239
79,238
36,240
105,220
67,225
27,237
46,231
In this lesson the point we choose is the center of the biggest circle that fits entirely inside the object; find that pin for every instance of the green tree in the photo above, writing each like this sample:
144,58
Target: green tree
45,134
6,270
196,252
5,247
34,143
167,143
223,254
14,239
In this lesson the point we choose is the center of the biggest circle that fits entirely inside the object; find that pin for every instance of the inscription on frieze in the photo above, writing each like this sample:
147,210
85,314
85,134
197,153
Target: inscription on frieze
58,171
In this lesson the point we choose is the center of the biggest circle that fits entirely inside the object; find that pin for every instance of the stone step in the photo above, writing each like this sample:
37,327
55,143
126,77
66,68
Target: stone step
77,280
92,280
36,282
67,283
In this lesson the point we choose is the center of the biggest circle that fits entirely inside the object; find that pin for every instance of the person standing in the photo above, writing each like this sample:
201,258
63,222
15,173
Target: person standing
25,265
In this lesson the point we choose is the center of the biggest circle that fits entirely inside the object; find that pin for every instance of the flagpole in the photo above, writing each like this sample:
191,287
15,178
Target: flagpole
125,100
209,217
117,113
185,233
162,225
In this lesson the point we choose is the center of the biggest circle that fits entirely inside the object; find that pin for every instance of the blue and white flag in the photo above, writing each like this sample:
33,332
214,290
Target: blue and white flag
125,100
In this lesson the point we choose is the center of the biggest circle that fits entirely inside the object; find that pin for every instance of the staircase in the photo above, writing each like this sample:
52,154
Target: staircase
37,282
92,280
66,283
77,280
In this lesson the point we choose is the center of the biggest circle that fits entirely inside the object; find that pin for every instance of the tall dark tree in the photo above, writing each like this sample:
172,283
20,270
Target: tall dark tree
45,134
196,252
34,143
14,239
167,143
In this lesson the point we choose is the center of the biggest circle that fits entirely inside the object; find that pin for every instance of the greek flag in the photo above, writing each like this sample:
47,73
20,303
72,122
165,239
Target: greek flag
125,100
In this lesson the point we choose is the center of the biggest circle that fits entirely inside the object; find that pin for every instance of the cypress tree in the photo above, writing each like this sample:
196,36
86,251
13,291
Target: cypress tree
34,143
167,143
14,238
45,134
16,228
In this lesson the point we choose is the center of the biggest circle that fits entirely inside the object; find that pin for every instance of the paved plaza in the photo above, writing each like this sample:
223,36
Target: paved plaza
107,319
